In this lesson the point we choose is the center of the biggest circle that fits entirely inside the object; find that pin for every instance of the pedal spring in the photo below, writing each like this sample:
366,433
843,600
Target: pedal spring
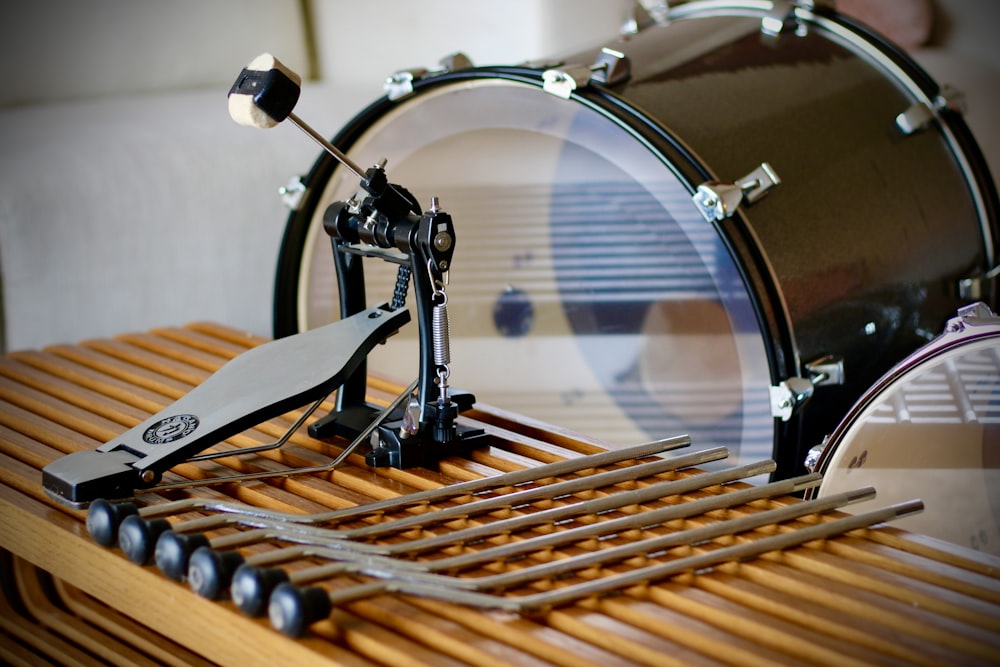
441,334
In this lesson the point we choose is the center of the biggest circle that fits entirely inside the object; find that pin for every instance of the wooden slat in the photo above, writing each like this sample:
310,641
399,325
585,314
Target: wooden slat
30,532
133,375
851,616
106,648
880,596
125,629
28,640
137,356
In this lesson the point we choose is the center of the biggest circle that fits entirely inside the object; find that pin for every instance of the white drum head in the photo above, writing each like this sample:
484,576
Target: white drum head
932,433
587,291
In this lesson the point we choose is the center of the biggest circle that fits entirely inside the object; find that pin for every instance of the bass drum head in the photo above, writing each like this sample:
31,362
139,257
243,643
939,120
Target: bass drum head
586,291
931,430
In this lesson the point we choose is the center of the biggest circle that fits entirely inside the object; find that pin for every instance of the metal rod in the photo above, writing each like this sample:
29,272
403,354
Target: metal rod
505,501
344,540
327,146
558,568
470,487
362,437
638,576
263,448
600,529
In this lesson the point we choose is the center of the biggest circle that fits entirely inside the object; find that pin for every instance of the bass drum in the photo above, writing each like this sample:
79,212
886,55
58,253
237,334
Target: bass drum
930,429
590,290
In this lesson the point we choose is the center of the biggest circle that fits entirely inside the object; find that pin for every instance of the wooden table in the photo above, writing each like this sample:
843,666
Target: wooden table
872,596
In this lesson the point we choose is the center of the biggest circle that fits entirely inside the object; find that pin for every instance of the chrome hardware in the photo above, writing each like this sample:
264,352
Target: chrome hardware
441,334
971,288
562,81
411,419
789,396
441,330
454,62
951,98
815,4
914,119
610,68
969,315
718,201
920,115
365,435
781,17
978,288
827,370
400,84
292,193
758,182
645,14
814,454
975,311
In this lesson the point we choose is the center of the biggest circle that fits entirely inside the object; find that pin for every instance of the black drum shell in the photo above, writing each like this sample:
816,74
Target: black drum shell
871,231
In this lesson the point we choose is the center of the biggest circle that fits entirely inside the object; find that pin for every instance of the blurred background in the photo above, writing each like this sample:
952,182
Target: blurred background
130,200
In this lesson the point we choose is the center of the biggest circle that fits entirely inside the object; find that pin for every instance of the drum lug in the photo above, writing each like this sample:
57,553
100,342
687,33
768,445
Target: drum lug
976,311
400,84
972,314
814,454
646,14
920,115
718,200
789,397
611,68
827,370
780,18
951,98
784,16
977,288
293,193
914,119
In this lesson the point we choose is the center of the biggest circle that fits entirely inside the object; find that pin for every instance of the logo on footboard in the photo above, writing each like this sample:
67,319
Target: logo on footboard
170,429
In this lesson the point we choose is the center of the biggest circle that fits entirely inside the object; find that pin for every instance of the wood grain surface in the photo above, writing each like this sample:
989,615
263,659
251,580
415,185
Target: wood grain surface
869,597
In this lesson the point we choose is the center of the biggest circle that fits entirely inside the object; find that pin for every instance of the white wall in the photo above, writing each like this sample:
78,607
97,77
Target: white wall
363,42
129,199
965,53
